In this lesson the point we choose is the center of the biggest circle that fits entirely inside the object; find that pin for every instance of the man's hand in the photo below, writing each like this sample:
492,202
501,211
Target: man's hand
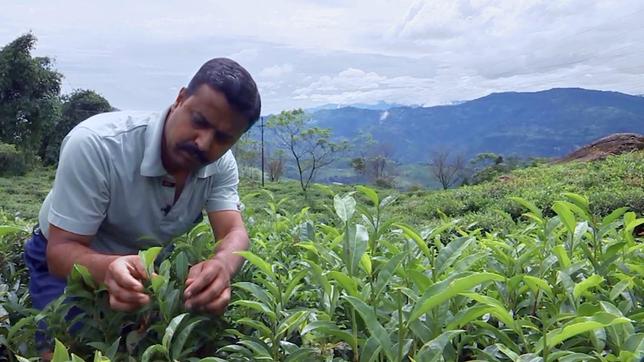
208,287
123,280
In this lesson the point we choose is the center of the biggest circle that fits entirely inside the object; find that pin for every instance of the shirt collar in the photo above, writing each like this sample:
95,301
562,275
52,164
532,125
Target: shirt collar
152,165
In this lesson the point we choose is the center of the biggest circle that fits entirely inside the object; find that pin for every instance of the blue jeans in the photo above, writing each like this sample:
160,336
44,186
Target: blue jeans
43,286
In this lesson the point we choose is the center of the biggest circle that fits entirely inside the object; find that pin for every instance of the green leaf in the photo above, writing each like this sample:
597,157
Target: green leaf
411,234
508,352
499,311
450,253
356,239
432,351
565,215
257,306
180,340
635,344
385,274
157,282
591,282
613,216
441,292
80,272
530,206
467,315
181,266
256,291
370,350
258,262
260,350
537,284
344,207
328,328
349,285
293,284
147,258
60,352
562,256
365,263
580,325
151,351
375,328
10,229
292,320
581,202
302,354
258,325
370,193
620,287
171,329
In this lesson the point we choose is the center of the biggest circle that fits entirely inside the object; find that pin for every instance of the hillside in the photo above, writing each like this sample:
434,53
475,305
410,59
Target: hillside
546,124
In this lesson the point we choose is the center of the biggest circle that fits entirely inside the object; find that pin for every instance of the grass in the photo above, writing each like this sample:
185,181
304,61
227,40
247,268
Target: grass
615,182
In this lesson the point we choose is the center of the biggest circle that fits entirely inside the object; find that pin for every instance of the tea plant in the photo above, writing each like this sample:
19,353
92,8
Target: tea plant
354,284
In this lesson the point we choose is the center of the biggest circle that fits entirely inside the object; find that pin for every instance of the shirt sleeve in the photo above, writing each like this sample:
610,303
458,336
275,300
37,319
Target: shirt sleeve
223,191
81,193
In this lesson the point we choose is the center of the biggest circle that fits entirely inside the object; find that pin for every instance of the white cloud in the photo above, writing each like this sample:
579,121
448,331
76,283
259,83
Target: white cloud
303,53
276,71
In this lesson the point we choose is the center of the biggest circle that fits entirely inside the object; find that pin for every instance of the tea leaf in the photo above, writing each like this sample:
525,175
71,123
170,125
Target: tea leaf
591,282
441,292
344,207
450,253
60,352
258,262
375,328
432,351
578,326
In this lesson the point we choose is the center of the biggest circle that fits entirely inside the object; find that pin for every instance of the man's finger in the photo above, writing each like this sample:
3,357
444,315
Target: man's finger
123,276
218,306
117,304
139,268
208,294
208,273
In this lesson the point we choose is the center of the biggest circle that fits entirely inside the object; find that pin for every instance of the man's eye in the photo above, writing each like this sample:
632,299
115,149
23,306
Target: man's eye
199,122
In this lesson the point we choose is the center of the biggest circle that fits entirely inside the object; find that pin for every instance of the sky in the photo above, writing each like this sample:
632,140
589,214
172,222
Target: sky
303,54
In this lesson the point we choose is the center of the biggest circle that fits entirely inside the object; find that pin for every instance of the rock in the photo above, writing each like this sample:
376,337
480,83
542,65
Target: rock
614,144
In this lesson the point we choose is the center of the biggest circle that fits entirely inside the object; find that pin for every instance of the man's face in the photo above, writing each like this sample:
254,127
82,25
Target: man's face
199,129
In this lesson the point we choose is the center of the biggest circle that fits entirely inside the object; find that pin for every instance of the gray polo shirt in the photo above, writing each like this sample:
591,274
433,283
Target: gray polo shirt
111,183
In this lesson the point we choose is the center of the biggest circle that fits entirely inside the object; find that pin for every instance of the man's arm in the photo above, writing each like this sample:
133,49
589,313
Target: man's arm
208,283
121,274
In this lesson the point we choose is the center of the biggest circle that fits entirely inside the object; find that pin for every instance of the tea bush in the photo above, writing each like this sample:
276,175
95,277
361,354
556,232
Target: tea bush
352,283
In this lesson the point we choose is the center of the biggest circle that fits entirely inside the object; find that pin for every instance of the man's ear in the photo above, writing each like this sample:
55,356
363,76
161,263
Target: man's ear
181,97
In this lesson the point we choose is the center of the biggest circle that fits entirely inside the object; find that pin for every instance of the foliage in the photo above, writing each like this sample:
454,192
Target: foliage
12,161
76,107
361,286
311,147
29,88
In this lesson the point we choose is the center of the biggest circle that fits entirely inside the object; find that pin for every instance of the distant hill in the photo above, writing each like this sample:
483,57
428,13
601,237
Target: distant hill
547,123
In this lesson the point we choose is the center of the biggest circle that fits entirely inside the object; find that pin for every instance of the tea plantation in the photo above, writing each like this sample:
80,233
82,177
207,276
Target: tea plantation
544,265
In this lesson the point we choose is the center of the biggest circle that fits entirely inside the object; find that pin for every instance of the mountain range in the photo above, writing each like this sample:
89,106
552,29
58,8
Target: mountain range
546,123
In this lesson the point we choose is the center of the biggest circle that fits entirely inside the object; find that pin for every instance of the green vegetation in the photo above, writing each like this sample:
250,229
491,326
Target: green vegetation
374,275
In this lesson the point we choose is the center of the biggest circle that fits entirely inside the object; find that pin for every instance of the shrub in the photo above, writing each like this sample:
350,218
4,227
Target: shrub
12,161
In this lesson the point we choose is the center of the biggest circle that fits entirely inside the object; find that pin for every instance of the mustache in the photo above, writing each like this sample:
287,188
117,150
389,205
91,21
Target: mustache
193,150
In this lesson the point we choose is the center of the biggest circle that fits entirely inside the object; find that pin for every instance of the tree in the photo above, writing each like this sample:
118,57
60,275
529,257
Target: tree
311,147
446,169
374,163
276,166
76,107
29,89
247,153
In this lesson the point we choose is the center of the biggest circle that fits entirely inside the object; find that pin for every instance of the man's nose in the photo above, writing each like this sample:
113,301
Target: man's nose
204,140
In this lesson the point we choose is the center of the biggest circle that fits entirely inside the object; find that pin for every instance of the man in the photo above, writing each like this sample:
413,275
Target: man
127,181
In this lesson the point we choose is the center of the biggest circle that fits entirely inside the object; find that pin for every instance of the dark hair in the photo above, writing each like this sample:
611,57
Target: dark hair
230,78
